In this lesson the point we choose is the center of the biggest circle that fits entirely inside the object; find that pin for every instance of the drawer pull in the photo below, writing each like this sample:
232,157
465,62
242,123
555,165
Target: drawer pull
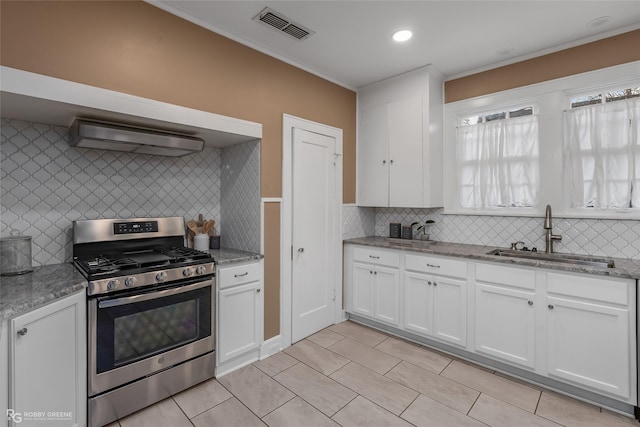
374,257
241,275
22,332
433,265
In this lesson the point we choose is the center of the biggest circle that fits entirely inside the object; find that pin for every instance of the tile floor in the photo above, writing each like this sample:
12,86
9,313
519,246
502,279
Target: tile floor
351,375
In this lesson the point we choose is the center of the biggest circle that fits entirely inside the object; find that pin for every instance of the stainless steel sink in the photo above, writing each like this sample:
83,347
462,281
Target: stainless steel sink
558,258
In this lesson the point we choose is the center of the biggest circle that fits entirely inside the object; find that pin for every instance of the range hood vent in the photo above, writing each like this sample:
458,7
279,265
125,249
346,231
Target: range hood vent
283,24
111,136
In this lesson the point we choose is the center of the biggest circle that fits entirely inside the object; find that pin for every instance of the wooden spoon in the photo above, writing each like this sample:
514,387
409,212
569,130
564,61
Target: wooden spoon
208,226
191,224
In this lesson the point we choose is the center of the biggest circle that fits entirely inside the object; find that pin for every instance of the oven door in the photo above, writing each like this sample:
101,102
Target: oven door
136,334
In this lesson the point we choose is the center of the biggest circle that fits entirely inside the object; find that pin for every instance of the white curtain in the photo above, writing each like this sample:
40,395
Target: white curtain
498,163
602,154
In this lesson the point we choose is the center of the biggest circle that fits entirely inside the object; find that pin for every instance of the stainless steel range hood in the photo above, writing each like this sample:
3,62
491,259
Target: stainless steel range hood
111,136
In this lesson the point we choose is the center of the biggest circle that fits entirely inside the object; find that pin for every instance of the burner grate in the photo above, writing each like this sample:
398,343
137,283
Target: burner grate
182,254
107,263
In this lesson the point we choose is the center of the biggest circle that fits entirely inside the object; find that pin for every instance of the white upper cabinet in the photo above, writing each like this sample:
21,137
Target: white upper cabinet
400,141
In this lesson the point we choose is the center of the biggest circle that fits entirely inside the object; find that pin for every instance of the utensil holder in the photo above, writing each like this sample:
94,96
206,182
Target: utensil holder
201,242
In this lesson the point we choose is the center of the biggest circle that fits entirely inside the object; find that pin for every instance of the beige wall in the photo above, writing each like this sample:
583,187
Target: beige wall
604,53
135,48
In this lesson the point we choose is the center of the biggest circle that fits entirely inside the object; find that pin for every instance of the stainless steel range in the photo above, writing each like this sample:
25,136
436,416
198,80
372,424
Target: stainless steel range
150,310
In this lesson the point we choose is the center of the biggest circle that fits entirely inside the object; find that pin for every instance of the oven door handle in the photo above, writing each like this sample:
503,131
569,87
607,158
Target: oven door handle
152,295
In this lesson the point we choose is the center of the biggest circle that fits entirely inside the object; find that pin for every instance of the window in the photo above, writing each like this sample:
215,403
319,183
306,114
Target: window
497,159
602,151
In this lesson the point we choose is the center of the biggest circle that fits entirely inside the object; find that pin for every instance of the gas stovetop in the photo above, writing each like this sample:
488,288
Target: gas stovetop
108,265
124,254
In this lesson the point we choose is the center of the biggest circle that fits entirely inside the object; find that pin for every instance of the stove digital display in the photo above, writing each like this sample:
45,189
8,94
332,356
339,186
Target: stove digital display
135,227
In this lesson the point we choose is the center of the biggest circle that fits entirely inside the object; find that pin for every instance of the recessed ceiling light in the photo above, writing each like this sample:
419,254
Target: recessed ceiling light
402,35
598,22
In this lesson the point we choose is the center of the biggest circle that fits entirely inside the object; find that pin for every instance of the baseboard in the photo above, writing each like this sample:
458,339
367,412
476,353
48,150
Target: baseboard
271,346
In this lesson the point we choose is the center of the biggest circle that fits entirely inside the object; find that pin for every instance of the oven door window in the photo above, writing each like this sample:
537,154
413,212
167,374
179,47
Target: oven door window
132,331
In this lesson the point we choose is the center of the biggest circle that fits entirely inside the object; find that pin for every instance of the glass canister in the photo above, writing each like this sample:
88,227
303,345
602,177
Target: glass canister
15,254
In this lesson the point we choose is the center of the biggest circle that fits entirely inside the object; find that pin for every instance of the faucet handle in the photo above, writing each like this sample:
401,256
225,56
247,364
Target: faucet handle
514,246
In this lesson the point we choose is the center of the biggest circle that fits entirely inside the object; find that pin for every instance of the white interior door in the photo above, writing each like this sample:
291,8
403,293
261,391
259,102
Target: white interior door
313,242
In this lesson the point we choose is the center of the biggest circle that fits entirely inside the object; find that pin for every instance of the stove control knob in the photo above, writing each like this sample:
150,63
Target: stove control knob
113,284
200,269
161,277
188,271
130,281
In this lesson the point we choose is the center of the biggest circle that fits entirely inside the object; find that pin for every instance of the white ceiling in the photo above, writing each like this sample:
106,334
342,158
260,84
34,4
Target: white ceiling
352,42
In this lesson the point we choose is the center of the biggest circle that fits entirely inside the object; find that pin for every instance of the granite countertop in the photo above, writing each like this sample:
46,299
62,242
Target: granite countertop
25,292
227,256
624,268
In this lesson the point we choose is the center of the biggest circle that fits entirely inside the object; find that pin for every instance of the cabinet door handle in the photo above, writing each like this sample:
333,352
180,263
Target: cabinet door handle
391,161
384,162
550,306
530,302
433,266
241,275
22,332
375,272
374,257
258,290
429,282
435,283
370,271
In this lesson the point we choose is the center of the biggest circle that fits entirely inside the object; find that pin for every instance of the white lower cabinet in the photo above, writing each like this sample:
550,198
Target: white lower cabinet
436,305
375,292
505,324
505,314
240,315
375,287
48,365
574,328
589,324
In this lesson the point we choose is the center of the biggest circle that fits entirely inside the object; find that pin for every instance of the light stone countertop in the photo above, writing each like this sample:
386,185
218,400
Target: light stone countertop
227,256
26,292
624,268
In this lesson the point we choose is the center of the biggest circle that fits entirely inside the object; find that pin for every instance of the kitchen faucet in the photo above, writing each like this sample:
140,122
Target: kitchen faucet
549,236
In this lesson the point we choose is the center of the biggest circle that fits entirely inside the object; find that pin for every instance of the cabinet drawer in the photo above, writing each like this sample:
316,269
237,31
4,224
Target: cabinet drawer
511,276
594,288
376,256
239,274
436,265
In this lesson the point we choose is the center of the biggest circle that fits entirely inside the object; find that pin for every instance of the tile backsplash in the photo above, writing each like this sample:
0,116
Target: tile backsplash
45,184
598,237
240,202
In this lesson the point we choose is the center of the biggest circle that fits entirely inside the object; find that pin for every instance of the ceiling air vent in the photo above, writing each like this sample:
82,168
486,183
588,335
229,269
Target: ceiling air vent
283,24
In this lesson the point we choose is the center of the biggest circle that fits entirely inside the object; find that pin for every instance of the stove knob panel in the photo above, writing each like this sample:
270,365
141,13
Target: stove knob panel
201,269
161,277
188,271
113,284
130,281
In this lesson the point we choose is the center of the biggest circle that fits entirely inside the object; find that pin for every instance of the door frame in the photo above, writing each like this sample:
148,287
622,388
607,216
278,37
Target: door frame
288,124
